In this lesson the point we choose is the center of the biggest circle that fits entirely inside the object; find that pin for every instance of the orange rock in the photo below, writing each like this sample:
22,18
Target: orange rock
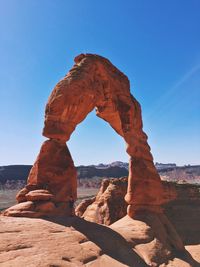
182,207
108,206
52,177
45,206
35,209
145,191
20,197
93,82
20,208
81,208
39,194
54,170
75,242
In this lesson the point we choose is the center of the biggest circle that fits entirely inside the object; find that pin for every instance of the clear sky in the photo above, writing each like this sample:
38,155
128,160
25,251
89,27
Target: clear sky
156,43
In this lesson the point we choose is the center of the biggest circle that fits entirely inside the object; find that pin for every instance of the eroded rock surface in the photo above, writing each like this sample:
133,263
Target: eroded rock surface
94,83
147,240
54,170
74,242
51,183
108,206
182,206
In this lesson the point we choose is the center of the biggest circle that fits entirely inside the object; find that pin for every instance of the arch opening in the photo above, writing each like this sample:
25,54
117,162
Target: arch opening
94,142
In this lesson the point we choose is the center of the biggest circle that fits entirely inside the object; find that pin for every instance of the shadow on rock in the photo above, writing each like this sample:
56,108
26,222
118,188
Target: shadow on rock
110,242
167,235
187,257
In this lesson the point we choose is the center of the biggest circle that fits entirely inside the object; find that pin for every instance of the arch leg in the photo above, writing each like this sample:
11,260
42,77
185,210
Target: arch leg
144,185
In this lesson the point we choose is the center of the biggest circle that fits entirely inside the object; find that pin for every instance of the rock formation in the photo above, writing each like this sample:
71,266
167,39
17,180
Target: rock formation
102,209
147,240
144,238
182,206
108,206
93,82
74,242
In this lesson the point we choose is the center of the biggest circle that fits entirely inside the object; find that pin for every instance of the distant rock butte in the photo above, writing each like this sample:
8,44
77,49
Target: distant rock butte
92,83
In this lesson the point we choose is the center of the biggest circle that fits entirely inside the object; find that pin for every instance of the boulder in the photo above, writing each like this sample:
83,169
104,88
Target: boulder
39,194
109,204
21,195
54,171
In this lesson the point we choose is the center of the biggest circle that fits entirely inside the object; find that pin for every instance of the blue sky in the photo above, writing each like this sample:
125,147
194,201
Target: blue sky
156,43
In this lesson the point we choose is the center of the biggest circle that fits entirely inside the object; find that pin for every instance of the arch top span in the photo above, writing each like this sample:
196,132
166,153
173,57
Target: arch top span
93,82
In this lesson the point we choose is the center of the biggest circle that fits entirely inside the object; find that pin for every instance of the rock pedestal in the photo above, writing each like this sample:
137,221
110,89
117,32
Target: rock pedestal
54,170
143,177
51,186
93,82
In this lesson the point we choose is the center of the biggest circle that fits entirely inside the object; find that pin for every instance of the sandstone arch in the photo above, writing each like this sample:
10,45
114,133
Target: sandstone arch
93,82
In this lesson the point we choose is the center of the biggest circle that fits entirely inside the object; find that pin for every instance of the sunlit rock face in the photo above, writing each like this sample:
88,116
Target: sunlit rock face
108,206
93,83
54,169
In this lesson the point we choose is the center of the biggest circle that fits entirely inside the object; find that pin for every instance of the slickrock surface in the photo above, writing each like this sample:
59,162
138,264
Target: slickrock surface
93,83
76,242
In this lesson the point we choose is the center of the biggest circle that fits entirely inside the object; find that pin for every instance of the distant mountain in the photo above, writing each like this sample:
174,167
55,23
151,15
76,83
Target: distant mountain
161,166
169,172
119,164
14,172
20,172
101,171
184,174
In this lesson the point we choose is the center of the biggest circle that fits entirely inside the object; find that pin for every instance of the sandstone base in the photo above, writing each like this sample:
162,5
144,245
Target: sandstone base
75,242
39,209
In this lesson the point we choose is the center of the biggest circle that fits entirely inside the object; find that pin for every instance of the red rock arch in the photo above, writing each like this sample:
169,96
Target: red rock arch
93,82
